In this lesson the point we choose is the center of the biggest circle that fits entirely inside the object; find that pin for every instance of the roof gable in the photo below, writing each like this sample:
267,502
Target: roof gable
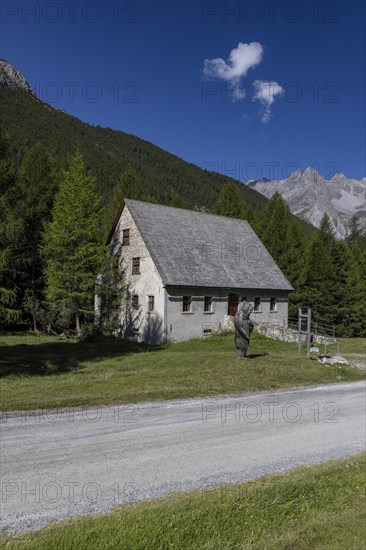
196,249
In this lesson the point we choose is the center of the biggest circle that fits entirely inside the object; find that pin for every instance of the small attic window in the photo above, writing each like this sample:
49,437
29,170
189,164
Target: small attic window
151,303
126,237
135,266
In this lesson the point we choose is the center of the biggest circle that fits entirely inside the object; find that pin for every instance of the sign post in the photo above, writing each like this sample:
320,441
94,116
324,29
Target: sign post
304,328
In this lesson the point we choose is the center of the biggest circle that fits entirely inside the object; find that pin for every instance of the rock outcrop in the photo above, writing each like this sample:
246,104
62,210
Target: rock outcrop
10,77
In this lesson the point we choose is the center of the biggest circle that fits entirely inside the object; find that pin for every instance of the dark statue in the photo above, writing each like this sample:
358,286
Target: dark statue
243,328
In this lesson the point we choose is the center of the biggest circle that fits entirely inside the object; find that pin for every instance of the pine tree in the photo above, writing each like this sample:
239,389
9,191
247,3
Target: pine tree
284,240
230,202
325,275
355,316
316,281
342,263
36,185
110,290
127,187
10,231
354,231
72,245
354,320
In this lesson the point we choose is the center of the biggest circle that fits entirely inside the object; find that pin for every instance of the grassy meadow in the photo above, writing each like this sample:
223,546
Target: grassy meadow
320,507
43,372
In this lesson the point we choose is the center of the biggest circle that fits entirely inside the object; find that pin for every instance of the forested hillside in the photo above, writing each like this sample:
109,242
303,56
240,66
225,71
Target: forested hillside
107,153
61,184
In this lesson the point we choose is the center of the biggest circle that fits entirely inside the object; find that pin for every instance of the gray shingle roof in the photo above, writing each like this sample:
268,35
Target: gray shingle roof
197,249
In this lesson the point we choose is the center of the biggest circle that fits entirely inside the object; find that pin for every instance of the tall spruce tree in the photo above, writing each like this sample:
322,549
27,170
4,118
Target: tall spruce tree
355,314
284,240
354,320
73,246
11,264
127,187
37,183
230,202
319,274
354,231
316,281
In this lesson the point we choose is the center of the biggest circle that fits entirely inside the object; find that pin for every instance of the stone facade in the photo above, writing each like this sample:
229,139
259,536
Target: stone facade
285,334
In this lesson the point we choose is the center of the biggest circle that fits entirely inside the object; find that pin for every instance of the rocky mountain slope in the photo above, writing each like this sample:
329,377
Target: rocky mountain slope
10,77
309,196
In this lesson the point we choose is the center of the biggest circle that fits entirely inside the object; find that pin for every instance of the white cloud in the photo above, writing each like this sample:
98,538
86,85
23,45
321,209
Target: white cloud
266,92
241,59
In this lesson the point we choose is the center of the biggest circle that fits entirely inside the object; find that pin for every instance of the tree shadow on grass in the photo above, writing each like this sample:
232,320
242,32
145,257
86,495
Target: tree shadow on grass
254,355
44,359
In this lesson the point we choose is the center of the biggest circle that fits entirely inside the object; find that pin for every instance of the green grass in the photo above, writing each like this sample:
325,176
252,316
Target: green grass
40,372
350,345
319,507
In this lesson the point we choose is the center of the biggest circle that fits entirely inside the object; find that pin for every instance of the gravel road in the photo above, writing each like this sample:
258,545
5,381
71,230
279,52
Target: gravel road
75,462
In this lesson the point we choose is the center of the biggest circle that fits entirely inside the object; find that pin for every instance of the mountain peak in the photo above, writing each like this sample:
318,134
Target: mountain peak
310,170
310,196
10,77
312,174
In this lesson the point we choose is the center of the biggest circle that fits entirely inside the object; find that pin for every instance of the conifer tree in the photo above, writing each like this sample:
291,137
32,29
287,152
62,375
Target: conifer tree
324,275
72,245
355,315
284,240
354,235
127,187
316,281
230,202
10,231
110,290
354,320
36,187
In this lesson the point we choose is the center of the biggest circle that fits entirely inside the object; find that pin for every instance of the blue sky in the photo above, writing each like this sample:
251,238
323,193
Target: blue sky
167,72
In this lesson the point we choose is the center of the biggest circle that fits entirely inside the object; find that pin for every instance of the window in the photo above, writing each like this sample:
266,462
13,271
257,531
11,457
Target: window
135,301
272,304
151,303
187,301
207,304
126,237
257,304
233,302
135,266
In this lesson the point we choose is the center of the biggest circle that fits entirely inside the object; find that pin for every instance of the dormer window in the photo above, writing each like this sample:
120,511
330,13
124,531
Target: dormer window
126,237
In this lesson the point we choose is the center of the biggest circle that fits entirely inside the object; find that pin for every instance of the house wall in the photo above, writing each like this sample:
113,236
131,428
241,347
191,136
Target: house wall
139,324
197,323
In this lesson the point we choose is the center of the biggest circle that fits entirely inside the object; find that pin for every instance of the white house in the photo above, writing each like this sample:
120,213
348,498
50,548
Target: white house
186,270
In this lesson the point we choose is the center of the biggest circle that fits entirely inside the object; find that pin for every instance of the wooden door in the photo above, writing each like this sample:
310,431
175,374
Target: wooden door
232,304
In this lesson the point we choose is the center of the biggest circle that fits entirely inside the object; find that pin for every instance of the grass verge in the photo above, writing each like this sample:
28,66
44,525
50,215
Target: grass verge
320,507
49,373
